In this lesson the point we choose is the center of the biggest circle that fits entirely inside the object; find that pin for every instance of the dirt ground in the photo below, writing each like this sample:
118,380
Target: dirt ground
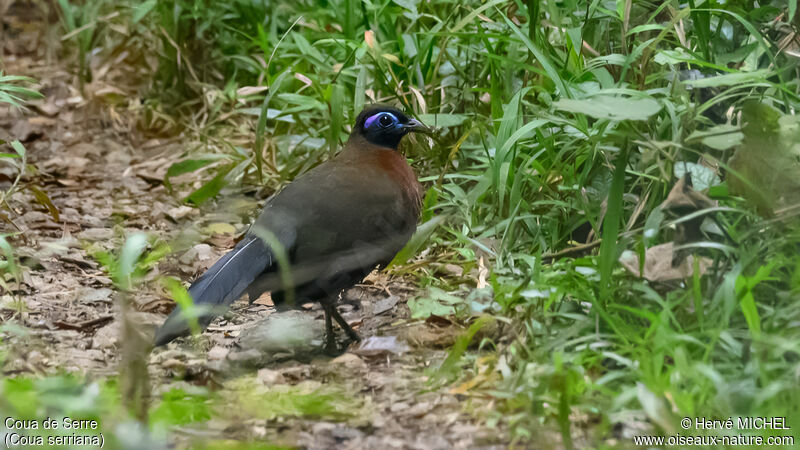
103,179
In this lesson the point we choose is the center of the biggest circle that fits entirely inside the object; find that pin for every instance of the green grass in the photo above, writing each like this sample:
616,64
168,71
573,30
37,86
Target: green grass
14,91
556,117
63,399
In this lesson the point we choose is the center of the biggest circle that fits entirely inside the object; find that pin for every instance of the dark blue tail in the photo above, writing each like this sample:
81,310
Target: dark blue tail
220,286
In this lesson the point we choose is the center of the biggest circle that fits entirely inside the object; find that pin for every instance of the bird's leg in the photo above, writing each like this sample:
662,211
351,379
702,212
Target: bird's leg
345,326
330,338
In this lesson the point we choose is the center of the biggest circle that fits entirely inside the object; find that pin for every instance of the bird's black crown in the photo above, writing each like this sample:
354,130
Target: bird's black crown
384,125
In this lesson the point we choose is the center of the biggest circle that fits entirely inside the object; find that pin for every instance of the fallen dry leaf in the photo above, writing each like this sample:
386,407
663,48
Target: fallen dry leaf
270,377
385,304
381,345
349,360
658,264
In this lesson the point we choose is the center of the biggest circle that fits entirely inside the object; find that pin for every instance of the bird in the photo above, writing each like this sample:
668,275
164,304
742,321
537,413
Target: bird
323,232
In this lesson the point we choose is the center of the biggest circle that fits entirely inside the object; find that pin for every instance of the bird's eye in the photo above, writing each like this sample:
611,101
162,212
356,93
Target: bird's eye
386,120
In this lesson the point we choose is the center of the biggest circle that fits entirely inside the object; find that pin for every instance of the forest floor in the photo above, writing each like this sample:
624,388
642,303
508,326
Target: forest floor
103,179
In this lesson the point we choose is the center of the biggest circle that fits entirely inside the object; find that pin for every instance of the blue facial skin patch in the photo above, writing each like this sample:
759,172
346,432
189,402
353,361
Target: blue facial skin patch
373,118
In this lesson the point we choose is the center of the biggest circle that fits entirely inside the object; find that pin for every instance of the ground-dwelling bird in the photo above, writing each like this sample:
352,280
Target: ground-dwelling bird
333,225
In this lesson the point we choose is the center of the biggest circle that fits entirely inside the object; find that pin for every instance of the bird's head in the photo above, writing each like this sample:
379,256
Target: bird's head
385,126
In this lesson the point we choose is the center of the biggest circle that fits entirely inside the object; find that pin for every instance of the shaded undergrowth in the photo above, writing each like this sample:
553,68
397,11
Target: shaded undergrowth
564,128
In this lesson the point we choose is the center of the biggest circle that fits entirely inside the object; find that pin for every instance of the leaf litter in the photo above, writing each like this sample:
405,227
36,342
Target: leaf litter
100,180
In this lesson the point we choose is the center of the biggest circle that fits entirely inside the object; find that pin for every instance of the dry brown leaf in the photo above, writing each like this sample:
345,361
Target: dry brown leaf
658,264
682,201
349,360
385,304
380,346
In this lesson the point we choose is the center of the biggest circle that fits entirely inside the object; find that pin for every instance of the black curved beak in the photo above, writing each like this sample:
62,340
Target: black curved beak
415,126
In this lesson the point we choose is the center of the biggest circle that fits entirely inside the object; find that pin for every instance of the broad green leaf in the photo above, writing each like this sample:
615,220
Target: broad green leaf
410,5
646,27
720,137
750,312
211,188
673,57
132,250
142,10
272,114
652,226
409,47
612,59
443,120
424,307
18,147
702,177
522,132
576,39
731,79
303,102
307,50
611,108
510,122
190,165
185,166
437,301
747,302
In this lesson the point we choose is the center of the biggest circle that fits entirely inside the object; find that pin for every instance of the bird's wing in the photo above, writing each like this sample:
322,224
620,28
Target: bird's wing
348,215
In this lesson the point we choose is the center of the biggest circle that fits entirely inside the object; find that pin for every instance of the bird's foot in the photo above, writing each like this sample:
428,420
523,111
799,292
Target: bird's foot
354,337
331,349
351,333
